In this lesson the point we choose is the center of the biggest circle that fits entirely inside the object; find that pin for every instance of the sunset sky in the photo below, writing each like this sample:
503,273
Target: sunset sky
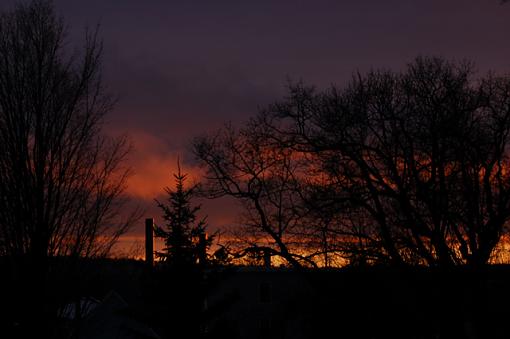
180,69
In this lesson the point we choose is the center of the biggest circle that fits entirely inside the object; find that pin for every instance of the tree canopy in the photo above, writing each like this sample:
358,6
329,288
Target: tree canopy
402,167
61,178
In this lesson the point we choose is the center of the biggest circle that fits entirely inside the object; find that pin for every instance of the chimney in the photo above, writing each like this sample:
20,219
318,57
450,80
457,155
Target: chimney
202,249
267,258
149,241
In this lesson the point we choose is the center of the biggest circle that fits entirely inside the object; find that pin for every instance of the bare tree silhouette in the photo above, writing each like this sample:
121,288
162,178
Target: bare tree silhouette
267,182
61,181
402,168
422,155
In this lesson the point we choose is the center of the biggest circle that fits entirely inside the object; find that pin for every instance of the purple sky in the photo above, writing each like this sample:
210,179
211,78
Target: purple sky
184,68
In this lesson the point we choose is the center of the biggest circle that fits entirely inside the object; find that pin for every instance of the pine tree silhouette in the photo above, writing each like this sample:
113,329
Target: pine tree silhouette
186,241
178,293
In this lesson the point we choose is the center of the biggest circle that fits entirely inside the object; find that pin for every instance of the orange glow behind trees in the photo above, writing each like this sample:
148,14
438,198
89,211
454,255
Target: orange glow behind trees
407,167
412,163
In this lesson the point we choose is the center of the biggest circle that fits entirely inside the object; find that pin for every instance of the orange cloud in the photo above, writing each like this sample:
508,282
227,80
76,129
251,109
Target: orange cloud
154,161
154,165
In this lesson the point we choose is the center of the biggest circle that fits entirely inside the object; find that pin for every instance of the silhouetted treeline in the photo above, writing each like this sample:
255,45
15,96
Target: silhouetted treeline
400,168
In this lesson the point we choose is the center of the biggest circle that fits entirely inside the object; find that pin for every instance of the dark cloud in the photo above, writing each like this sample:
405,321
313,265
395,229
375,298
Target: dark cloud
181,66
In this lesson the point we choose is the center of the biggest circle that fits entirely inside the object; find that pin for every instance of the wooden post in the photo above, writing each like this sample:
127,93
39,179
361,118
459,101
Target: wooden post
149,241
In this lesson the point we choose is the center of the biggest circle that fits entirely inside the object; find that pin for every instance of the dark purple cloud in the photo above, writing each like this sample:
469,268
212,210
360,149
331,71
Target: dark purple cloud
181,66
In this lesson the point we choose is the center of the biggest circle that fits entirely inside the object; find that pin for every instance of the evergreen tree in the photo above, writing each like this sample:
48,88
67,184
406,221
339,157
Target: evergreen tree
186,241
179,285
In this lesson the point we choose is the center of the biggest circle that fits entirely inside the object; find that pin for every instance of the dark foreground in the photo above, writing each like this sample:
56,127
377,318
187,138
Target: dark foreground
125,299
